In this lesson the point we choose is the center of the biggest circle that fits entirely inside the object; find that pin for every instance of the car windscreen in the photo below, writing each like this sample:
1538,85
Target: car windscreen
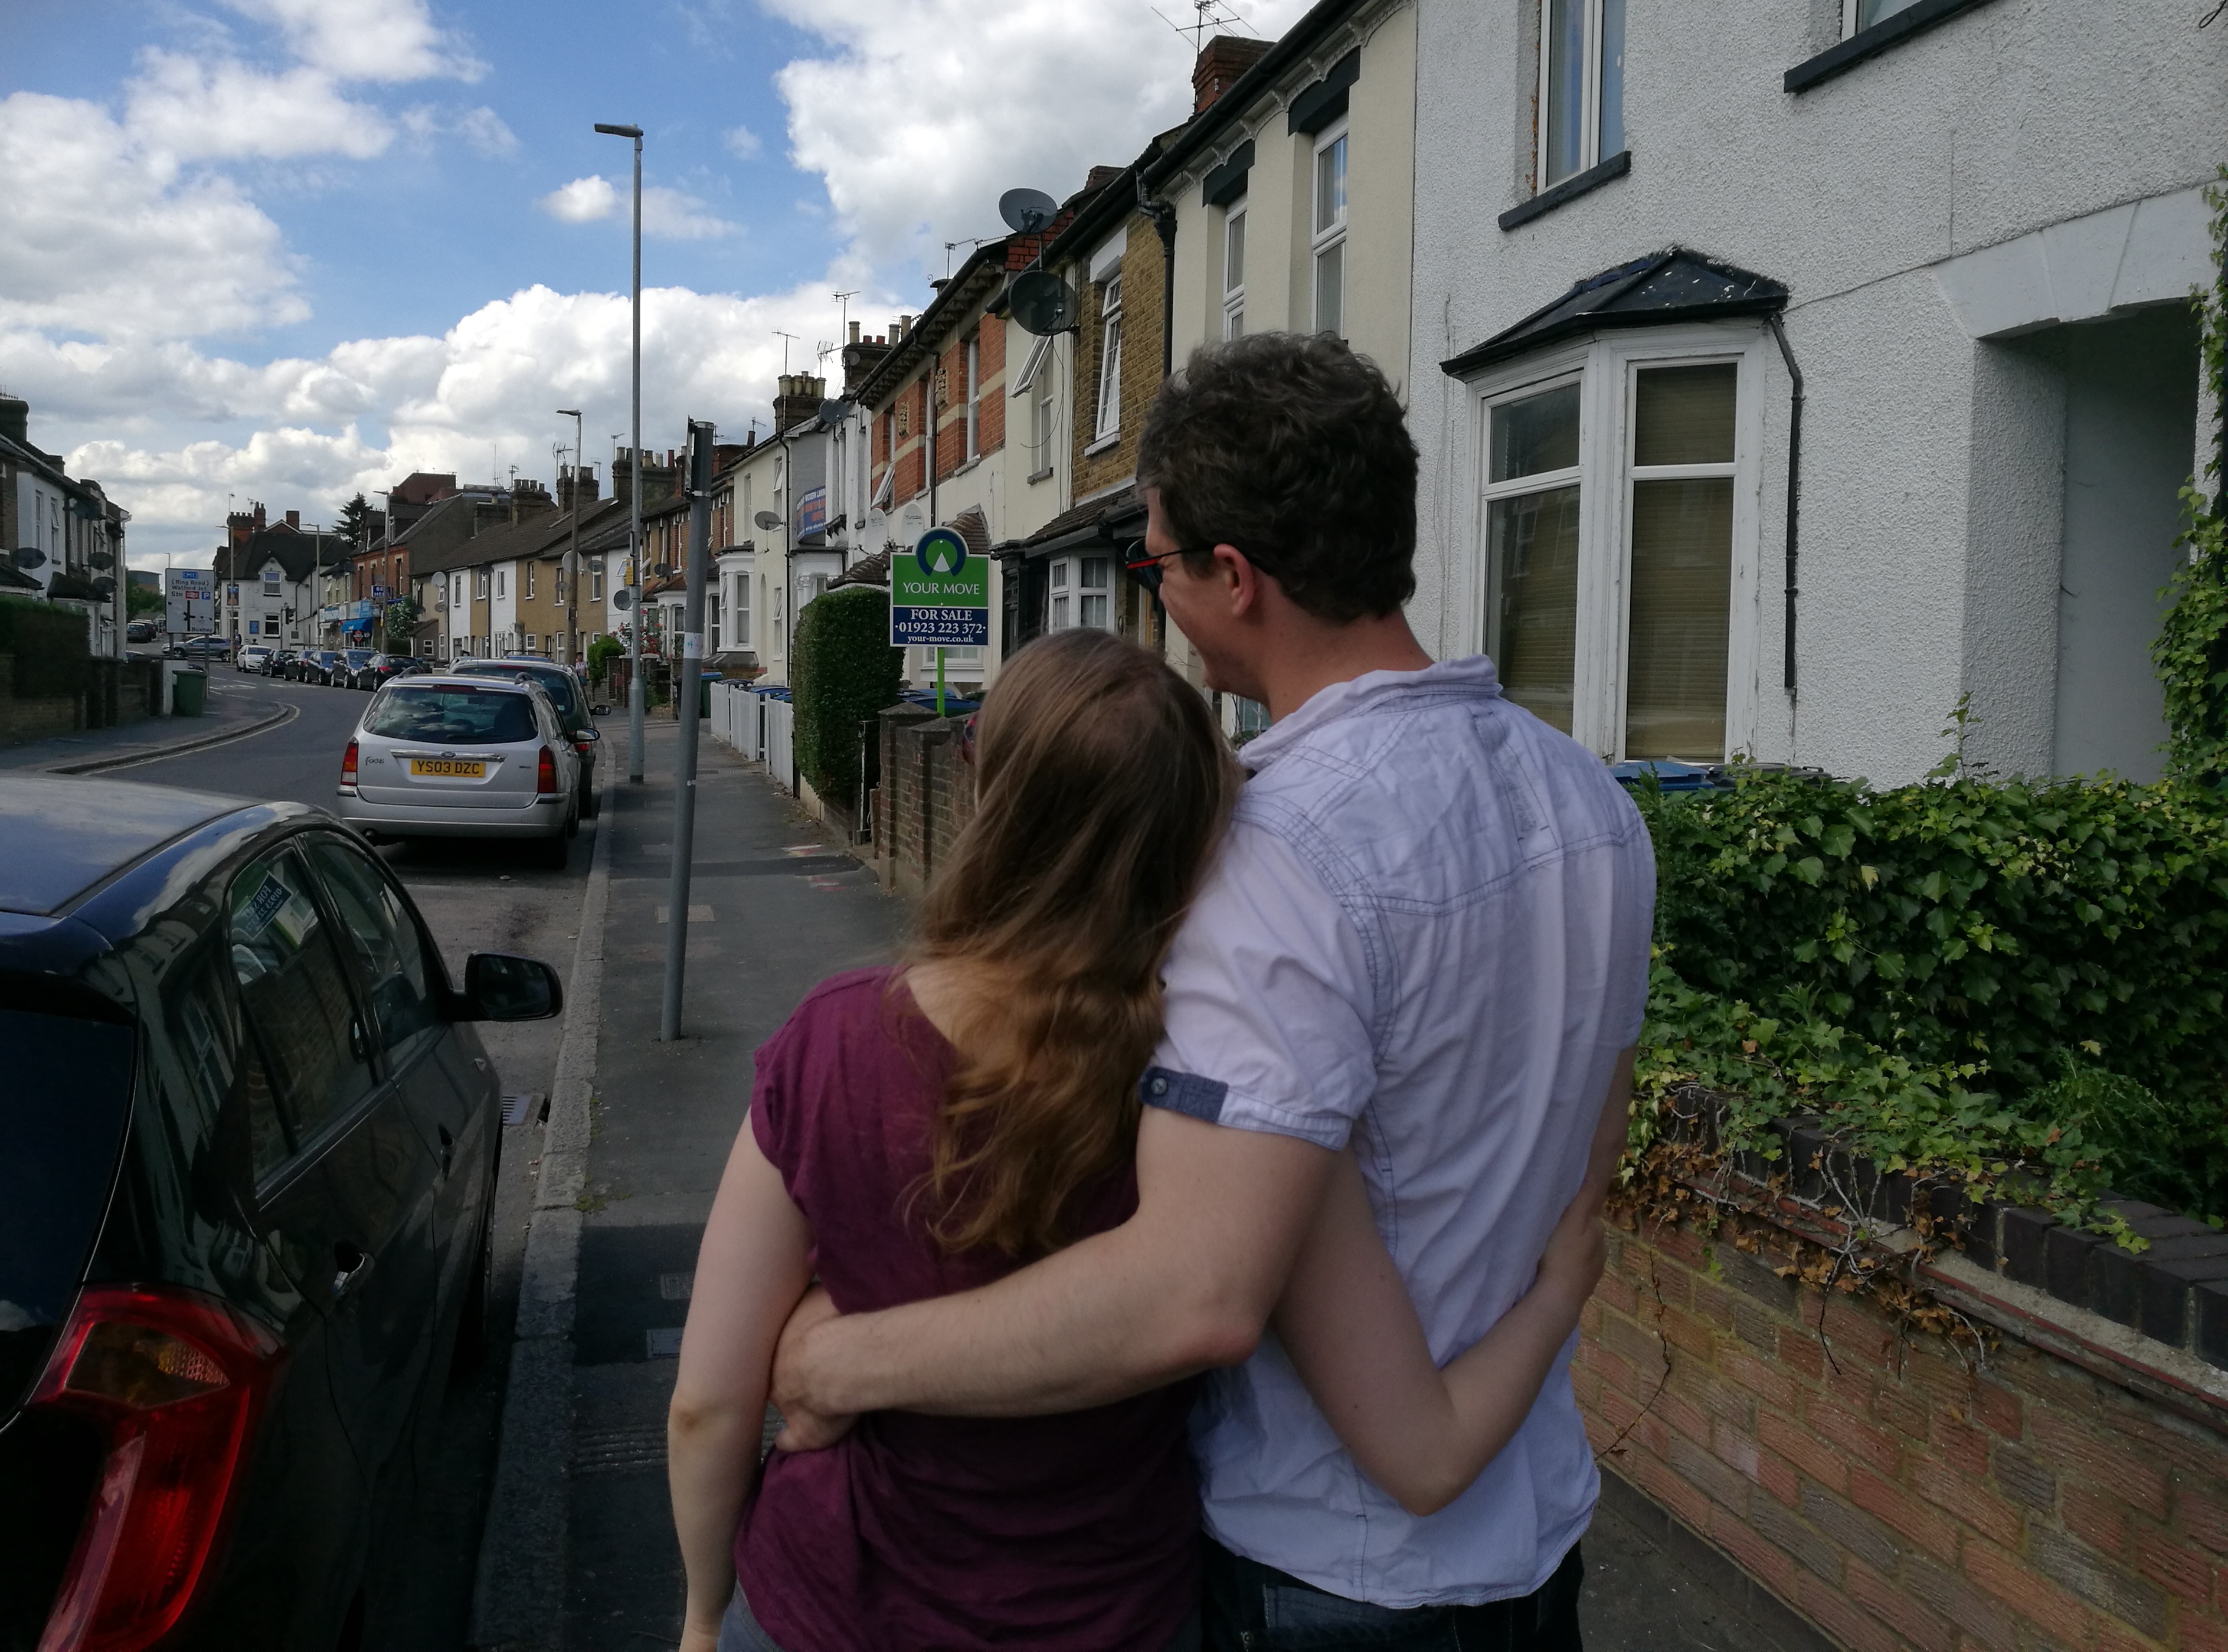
453,715
558,685
61,1126
358,656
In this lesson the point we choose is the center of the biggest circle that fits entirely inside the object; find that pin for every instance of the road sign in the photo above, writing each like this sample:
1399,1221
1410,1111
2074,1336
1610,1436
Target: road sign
939,594
189,598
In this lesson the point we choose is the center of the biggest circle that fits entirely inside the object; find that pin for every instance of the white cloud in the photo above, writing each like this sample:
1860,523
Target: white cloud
667,212
481,128
742,143
927,113
191,109
366,40
581,201
99,236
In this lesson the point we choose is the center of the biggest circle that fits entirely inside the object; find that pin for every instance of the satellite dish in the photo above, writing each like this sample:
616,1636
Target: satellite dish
1042,303
101,559
834,413
766,522
31,556
878,529
663,569
1027,210
104,588
623,600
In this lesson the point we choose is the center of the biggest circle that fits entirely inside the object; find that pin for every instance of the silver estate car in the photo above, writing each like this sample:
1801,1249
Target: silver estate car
463,757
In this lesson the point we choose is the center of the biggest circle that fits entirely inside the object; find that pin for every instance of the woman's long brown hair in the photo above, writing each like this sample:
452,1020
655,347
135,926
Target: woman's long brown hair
1102,789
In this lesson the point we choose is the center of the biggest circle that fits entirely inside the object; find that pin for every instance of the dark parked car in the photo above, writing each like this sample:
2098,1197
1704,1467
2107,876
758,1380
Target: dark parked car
319,665
354,661
141,631
383,669
247,1158
565,691
281,662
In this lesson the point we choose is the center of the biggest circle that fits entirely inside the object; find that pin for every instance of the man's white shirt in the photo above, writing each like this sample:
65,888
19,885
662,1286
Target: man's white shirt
1425,938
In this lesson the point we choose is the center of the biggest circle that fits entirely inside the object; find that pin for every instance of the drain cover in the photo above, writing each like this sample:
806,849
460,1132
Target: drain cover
527,1106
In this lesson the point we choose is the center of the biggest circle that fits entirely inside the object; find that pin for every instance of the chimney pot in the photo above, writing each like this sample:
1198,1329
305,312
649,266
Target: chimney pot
854,332
293,519
1221,61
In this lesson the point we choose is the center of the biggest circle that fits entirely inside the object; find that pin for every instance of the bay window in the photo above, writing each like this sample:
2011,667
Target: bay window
1329,242
1617,538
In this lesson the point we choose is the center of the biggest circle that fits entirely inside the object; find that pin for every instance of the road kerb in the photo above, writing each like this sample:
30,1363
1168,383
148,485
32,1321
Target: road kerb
518,1593
285,714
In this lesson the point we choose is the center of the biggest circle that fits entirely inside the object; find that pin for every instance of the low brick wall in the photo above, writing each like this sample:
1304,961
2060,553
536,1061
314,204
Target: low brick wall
925,795
2066,1488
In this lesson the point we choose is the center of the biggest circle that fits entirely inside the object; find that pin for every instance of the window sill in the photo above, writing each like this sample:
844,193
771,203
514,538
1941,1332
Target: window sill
1870,42
1570,189
1044,475
1113,439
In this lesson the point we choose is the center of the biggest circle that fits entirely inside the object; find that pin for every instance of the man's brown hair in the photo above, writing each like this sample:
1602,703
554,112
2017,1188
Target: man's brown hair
1294,450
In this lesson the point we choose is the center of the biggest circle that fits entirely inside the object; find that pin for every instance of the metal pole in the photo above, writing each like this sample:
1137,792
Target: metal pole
573,560
634,542
685,695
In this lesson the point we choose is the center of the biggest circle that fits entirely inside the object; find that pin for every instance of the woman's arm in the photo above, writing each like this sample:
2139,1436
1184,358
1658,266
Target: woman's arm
751,1271
1420,1433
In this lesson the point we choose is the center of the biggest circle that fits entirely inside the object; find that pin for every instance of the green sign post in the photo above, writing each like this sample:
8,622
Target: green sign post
939,598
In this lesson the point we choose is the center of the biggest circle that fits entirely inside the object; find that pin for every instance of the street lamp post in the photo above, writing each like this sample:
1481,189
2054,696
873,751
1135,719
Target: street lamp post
634,472
572,557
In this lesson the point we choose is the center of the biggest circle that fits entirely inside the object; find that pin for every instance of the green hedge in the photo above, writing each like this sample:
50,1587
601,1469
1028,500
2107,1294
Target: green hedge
601,654
2052,957
843,671
49,645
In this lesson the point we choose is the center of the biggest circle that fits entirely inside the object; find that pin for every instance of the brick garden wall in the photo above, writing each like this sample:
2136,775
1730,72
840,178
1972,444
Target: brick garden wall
1893,1494
926,794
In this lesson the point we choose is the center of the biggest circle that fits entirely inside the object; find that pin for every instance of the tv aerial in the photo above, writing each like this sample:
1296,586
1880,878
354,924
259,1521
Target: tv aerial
1043,303
1027,211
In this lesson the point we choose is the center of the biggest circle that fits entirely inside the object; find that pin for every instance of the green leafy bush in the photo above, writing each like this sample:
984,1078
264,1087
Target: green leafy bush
600,653
2033,969
843,671
49,645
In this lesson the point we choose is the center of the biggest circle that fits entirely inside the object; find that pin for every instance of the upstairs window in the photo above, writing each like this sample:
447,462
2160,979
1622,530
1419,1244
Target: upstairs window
1233,271
974,398
1329,236
595,579
1109,419
529,578
1081,593
1582,85
271,579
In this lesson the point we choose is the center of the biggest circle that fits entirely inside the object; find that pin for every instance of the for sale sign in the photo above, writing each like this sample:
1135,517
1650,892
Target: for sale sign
939,594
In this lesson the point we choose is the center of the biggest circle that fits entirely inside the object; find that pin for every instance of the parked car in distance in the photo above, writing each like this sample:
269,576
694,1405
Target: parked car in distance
281,662
383,669
200,648
248,1161
463,757
141,630
566,693
318,665
253,657
352,662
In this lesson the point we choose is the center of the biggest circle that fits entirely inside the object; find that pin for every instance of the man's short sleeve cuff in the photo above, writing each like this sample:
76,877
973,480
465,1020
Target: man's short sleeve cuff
1214,1102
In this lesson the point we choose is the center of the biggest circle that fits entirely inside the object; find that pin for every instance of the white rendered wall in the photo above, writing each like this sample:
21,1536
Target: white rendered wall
1929,510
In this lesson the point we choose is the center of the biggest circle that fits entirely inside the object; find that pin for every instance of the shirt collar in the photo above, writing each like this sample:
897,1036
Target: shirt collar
1471,675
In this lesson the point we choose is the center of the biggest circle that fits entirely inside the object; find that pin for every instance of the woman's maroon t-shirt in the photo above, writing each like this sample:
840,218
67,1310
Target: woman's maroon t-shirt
918,1534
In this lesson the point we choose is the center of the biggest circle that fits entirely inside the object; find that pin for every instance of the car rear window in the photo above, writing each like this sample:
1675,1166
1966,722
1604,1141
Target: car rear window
558,685
61,1126
358,656
449,714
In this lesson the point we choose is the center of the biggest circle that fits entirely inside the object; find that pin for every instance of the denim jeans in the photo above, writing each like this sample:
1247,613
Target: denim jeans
1254,1608
740,1631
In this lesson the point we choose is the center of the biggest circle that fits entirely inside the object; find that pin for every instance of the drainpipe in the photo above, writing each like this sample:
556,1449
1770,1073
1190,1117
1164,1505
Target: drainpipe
1164,225
1794,484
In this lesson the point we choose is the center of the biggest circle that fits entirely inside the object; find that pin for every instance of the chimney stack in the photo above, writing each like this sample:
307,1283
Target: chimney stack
572,479
15,418
799,400
294,520
1221,61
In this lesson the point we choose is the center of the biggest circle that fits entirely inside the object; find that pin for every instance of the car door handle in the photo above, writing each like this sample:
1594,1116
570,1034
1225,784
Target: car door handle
355,1267
448,1149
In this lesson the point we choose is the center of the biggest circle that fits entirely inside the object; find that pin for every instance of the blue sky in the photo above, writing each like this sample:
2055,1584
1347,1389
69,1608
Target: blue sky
283,250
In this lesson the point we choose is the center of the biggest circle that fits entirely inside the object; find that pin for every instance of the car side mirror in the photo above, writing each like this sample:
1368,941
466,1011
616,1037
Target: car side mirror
589,734
501,986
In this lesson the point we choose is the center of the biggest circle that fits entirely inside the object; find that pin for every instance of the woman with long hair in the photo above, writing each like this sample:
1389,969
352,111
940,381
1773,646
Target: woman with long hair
924,1130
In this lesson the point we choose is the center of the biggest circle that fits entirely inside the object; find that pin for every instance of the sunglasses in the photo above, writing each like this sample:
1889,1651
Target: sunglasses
1146,567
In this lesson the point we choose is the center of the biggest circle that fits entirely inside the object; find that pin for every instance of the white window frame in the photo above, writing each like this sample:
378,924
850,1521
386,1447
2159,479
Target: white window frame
1605,369
501,585
1108,422
1850,10
1064,581
1233,292
595,579
1321,240
974,354
273,577
742,625
1591,152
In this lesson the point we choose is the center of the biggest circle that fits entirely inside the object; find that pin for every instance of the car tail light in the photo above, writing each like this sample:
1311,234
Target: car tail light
178,1380
545,774
348,764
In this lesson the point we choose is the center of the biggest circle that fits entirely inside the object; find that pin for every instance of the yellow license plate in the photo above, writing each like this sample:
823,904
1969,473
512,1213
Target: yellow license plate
471,770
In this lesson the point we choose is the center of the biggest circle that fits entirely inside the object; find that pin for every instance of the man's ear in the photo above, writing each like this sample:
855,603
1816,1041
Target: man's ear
1241,580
